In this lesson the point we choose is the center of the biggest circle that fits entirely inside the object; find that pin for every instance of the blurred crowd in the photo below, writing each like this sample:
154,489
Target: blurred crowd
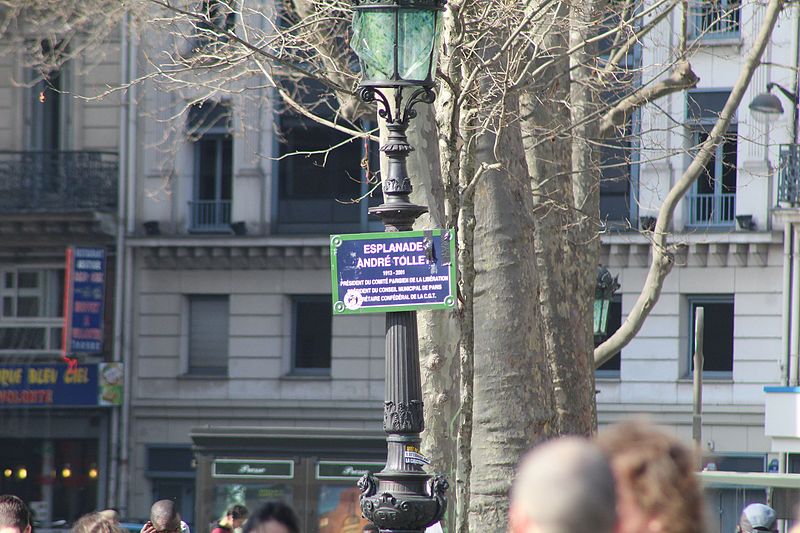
632,478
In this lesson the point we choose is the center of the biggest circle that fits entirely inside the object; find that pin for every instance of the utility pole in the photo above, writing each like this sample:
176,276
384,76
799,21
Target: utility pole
697,408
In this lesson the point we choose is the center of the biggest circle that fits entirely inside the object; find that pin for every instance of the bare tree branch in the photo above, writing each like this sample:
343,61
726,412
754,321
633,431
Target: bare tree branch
681,78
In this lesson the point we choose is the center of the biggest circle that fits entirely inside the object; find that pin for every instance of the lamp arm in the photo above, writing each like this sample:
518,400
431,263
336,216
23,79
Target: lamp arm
786,92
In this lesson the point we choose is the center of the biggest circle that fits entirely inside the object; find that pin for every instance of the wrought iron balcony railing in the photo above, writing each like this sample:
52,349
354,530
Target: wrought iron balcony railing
58,181
212,216
714,19
712,209
789,174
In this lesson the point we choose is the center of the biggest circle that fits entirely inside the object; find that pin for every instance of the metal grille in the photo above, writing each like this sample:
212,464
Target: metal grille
58,181
712,209
210,215
789,174
714,19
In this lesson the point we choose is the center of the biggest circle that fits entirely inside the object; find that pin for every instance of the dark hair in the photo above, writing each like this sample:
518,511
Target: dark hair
237,511
95,523
14,512
277,511
165,516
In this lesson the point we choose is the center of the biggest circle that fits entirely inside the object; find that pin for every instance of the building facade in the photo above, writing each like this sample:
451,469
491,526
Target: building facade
733,255
59,176
231,314
240,385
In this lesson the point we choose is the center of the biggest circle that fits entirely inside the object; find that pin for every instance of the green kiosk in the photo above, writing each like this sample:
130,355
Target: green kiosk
315,470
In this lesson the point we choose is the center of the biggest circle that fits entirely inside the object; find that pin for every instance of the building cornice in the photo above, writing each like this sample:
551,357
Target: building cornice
222,253
696,249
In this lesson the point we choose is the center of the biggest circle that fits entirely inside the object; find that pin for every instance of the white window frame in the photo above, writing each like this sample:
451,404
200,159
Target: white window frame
48,323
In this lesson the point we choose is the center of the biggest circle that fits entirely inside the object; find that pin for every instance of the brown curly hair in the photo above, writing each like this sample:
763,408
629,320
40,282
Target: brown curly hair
658,470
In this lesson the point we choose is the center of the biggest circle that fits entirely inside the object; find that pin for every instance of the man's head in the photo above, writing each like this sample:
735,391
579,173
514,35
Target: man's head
165,517
14,515
236,515
563,486
272,517
757,517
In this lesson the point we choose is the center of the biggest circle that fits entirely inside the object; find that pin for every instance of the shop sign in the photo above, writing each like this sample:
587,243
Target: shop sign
58,385
397,271
345,470
252,469
83,328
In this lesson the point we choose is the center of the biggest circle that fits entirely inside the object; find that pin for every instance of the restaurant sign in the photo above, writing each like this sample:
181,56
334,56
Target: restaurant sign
252,469
49,385
86,271
346,470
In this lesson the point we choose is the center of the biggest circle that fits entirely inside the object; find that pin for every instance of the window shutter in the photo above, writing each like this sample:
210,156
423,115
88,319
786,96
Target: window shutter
208,334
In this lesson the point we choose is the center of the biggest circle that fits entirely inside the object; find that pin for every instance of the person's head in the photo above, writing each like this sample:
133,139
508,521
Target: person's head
757,517
165,517
657,490
563,486
370,528
95,523
14,515
272,517
236,515
110,514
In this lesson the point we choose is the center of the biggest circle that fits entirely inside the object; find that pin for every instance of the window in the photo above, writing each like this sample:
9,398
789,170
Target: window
717,334
619,154
713,198
611,368
712,201
32,309
46,109
320,175
219,18
311,334
209,126
208,335
618,177
714,19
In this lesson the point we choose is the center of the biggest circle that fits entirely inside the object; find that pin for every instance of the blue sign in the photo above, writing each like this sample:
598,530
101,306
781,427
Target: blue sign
86,294
398,271
46,385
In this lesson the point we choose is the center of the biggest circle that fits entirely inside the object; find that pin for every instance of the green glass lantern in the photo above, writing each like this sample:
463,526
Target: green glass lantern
397,41
604,291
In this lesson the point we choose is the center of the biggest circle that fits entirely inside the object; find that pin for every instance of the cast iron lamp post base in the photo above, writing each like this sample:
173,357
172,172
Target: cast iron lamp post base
401,498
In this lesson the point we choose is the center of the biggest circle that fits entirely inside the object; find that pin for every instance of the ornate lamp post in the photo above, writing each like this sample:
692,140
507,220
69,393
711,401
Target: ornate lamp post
397,42
604,291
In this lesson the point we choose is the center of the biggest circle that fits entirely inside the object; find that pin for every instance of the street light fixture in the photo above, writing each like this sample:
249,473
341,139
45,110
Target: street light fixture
397,42
767,105
604,291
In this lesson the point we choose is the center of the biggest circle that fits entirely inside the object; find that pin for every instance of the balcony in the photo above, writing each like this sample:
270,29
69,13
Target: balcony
789,174
714,19
712,209
210,216
58,181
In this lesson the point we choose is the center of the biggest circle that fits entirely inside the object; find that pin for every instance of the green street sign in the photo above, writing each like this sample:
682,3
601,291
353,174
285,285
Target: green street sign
252,469
342,470
393,271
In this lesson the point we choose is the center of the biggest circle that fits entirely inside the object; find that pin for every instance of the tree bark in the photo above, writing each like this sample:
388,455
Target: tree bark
511,393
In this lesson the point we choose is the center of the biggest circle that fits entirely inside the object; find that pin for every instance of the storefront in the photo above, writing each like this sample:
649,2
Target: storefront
314,470
55,426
